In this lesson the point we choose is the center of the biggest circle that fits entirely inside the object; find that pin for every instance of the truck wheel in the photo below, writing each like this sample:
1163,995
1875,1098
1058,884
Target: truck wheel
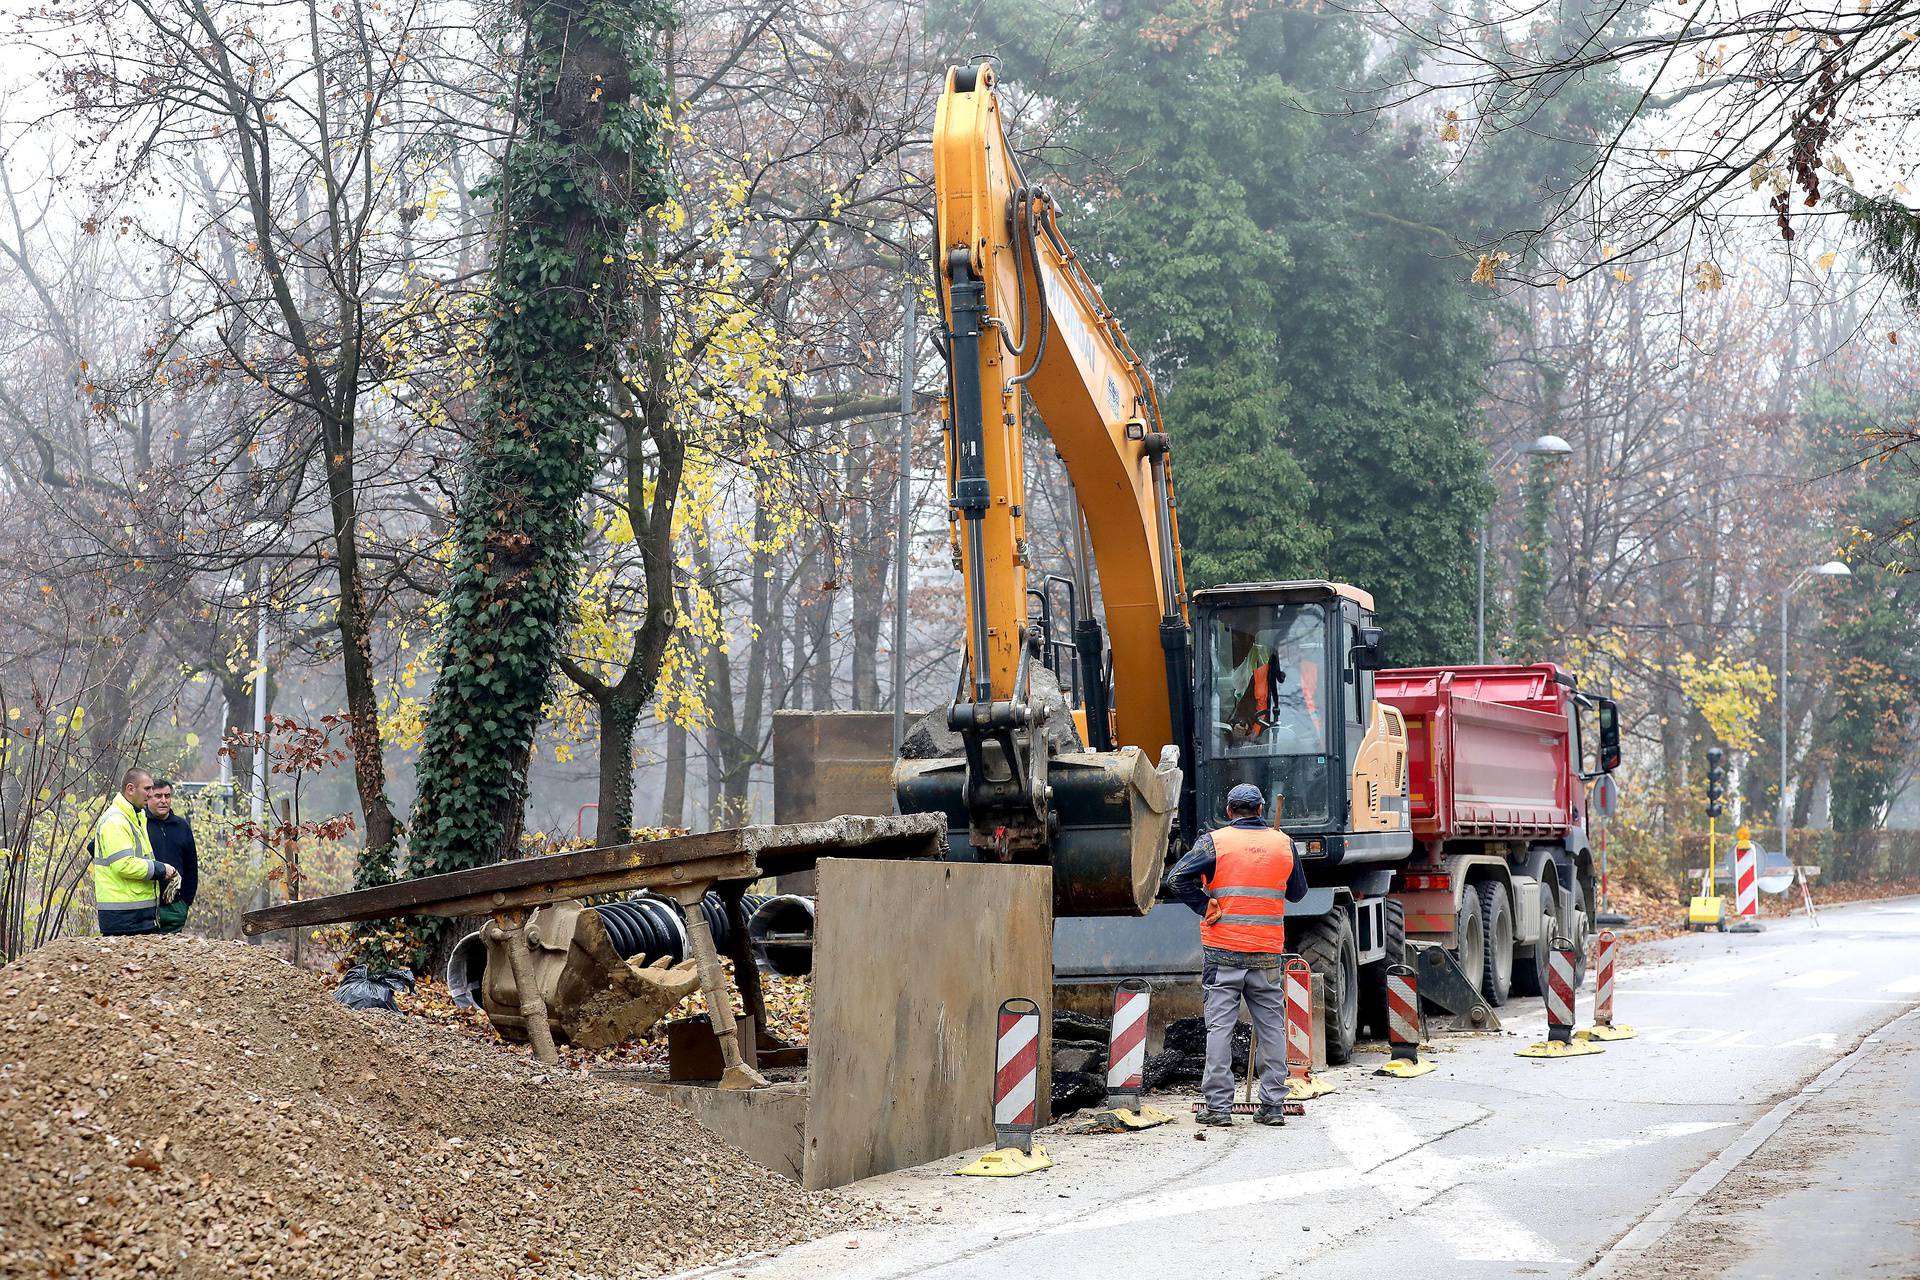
1530,971
1496,931
1327,945
1469,943
1582,928
1373,978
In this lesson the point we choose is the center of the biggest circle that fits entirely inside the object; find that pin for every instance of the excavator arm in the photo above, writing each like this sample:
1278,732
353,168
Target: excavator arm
1026,329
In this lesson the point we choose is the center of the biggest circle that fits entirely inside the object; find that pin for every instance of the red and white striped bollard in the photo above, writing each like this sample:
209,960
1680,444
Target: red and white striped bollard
1746,884
1560,1041
1606,952
1603,980
1403,1024
1016,1080
1560,993
1299,988
1016,1086
1127,1045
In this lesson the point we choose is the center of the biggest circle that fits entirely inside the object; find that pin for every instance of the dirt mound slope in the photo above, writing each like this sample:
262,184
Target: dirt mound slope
184,1108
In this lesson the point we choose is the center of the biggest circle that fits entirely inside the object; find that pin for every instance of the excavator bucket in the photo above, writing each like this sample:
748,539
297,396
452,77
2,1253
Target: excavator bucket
1110,814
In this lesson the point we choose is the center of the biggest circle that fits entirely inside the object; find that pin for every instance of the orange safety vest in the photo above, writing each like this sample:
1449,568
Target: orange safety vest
1249,890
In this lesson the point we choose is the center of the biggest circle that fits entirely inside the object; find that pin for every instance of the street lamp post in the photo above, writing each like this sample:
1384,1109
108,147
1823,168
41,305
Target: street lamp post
1831,569
1539,447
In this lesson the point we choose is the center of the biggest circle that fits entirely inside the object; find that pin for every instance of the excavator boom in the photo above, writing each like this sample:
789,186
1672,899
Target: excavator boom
1026,329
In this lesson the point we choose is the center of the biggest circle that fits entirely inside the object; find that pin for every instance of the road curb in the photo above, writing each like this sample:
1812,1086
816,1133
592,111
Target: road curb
1647,1234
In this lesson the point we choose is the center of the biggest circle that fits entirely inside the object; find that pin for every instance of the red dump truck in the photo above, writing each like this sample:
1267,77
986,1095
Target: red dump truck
1497,763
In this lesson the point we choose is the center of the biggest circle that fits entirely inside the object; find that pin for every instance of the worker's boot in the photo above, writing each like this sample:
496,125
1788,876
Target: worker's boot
1218,1119
1271,1113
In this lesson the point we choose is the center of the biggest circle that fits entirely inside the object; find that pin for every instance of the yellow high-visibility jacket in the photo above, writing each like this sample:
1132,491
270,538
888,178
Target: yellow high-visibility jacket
126,875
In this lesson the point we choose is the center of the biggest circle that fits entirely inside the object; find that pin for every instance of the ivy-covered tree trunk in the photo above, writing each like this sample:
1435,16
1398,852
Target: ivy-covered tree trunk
584,165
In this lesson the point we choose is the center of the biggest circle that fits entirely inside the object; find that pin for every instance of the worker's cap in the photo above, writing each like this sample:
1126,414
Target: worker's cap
1246,796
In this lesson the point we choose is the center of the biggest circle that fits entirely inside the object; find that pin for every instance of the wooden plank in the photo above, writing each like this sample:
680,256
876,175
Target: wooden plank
738,852
911,962
372,904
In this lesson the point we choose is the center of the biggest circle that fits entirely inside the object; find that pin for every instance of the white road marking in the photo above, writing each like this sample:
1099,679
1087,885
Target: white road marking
1370,1136
1727,1038
1909,983
1814,980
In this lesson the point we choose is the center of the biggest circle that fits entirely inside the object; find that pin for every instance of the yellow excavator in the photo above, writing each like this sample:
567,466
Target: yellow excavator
1099,748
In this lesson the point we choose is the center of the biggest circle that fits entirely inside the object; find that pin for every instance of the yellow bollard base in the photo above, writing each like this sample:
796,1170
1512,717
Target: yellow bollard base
1605,1033
1554,1049
1401,1069
1120,1119
1706,912
1300,1089
1007,1162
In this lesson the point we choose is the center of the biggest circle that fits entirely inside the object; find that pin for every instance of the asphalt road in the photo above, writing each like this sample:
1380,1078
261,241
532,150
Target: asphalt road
1690,1150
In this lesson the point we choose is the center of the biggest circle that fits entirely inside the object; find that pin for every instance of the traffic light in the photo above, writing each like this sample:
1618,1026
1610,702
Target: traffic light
1716,780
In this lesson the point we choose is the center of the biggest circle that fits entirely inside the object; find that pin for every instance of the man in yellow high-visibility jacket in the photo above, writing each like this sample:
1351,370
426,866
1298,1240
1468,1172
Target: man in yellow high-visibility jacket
128,881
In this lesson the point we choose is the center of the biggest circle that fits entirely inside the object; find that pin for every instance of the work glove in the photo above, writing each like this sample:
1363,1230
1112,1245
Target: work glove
170,884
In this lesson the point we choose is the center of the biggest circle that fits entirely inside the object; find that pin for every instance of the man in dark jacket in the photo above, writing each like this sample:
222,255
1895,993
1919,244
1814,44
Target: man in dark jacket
172,837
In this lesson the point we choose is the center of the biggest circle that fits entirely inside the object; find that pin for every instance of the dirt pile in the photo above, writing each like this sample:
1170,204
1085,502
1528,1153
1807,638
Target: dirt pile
184,1108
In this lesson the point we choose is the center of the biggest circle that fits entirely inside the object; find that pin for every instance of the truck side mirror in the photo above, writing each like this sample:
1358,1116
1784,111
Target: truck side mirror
1369,654
1609,718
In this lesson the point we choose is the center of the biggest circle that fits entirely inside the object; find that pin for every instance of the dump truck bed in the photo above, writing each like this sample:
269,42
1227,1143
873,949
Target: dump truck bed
1488,750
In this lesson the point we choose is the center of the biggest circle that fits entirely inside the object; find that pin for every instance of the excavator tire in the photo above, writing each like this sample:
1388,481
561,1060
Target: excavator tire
1327,944
1373,977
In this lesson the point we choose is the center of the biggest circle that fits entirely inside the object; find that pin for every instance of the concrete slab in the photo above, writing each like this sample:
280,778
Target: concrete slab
911,963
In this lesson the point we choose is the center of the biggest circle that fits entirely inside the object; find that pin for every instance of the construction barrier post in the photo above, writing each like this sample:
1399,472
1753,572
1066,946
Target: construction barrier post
1603,1027
1016,1084
1127,1061
1746,888
1403,1025
1560,1006
1301,1082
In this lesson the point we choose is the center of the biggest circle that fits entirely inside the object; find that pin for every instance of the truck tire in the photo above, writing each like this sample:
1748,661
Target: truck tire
1496,932
1469,943
1530,971
1327,945
1373,978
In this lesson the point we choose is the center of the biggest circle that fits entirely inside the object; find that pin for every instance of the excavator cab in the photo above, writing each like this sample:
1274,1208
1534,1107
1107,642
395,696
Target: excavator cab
1284,701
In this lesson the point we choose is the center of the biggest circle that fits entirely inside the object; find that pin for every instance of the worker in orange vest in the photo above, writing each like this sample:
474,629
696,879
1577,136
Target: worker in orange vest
1240,879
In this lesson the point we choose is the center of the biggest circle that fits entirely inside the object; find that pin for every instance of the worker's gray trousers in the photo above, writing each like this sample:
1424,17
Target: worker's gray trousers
1265,994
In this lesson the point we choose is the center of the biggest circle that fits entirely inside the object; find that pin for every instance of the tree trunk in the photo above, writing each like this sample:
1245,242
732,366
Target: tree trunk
583,166
363,693
618,718
673,791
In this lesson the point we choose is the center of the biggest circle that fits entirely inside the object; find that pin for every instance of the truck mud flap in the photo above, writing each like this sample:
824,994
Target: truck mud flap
1443,983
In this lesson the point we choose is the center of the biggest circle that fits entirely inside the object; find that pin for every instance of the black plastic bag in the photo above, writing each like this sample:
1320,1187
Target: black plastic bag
360,989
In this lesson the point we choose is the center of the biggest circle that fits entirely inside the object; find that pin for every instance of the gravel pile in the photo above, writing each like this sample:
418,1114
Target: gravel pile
183,1108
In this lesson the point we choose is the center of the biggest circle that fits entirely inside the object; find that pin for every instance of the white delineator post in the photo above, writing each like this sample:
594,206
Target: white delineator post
1299,990
1560,995
1127,1045
1017,1075
1603,980
1746,888
1403,1013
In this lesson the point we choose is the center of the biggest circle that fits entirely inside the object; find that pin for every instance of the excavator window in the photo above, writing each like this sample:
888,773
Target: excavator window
1268,693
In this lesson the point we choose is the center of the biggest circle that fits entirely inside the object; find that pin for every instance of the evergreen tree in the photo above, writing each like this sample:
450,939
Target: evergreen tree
1282,268
1871,728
